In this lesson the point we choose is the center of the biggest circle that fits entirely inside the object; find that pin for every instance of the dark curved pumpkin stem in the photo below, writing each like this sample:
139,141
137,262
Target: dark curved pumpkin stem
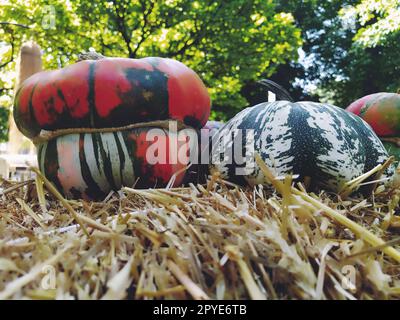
280,92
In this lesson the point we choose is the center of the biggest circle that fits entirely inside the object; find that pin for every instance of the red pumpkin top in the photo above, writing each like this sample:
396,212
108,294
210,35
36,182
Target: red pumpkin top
381,111
111,92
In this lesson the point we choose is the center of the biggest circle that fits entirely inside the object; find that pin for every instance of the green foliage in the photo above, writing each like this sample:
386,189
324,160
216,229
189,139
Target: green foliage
370,70
227,42
378,20
351,46
338,63
4,116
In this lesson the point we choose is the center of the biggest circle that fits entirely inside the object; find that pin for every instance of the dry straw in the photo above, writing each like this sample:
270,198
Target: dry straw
217,241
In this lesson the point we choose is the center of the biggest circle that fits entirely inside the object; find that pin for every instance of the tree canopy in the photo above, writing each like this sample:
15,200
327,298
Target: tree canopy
226,43
347,48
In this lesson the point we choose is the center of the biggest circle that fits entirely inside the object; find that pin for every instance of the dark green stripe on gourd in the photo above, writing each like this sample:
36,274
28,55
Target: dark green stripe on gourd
91,94
321,141
92,190
121,157
131,148
51,165
106,161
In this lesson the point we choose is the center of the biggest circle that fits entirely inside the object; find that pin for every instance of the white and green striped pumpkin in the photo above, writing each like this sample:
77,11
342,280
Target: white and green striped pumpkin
325,143
90,165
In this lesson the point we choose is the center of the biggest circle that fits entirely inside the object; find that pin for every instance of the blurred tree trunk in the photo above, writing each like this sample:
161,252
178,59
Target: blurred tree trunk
28,63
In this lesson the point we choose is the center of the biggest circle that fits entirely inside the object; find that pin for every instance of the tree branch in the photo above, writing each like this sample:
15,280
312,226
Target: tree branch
195,36
14,24
12,52
199,32
104,45
144,34
186,45
120,21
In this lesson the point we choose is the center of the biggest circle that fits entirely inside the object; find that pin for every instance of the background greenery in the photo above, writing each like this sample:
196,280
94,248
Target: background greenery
331,51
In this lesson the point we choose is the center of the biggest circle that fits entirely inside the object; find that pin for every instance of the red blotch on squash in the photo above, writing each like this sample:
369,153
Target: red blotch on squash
45,101
355,107
381,111
110,83
158,154
74,86
185,91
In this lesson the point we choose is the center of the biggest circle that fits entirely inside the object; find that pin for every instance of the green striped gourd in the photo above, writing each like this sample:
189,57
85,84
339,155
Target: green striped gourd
90,165
319,142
